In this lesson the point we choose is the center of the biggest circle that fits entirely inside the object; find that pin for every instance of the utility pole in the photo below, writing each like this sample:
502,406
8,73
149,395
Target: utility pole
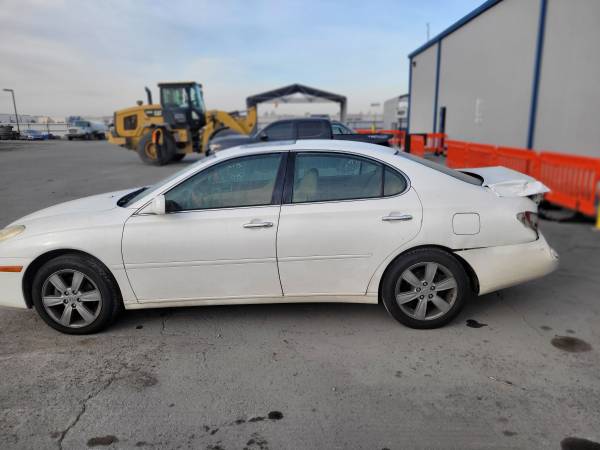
14,106
427,31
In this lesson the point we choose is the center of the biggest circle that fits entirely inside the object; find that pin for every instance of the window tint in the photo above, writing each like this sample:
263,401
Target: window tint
322,177
245,181
130,122
312,129
281,130
394,183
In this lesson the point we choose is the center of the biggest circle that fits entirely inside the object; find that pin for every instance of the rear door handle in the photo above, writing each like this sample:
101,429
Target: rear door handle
258,224
399,217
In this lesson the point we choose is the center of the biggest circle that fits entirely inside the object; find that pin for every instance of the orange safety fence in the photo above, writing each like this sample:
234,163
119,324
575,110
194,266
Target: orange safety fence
417,145
574,180
521,160
457,154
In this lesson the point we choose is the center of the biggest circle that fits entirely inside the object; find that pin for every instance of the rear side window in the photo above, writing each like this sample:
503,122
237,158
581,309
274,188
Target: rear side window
312,129
325,177
278,131
393,183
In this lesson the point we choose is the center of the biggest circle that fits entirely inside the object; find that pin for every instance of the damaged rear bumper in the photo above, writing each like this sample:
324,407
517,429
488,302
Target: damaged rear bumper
507,265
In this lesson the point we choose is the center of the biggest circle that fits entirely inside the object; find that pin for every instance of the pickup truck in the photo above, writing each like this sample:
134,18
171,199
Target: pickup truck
85,129
292,129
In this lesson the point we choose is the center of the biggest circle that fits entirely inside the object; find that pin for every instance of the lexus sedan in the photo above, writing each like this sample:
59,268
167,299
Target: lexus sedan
292,221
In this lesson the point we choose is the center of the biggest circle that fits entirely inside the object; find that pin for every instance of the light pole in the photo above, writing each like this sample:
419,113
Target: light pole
15,106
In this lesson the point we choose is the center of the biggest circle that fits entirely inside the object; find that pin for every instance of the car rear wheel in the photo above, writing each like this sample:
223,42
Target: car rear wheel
75,295
425,288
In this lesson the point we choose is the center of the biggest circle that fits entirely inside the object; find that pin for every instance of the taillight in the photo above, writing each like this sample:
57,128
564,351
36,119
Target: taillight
529,219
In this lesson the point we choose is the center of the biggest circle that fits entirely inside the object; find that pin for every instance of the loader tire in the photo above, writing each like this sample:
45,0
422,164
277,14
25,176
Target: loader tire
153,154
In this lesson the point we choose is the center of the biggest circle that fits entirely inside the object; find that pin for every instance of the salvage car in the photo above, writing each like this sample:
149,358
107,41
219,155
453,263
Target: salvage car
296,221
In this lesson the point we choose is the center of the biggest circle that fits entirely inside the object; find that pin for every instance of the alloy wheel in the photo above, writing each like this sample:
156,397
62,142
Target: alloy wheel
426,290
71,298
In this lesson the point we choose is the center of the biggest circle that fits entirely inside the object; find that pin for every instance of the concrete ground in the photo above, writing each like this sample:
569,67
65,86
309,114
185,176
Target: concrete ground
524,374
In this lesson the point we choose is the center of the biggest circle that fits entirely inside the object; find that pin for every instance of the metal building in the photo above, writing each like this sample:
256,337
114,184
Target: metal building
395,113
521,73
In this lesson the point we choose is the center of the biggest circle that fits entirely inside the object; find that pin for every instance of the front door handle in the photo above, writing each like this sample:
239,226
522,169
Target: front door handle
399,217
258,224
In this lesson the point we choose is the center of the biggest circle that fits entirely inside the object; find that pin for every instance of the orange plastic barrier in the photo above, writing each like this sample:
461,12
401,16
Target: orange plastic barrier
457,154
524,161
574,180
417,145
481,155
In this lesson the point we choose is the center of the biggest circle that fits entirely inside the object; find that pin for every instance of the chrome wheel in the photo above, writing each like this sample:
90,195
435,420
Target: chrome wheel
426,291
71,298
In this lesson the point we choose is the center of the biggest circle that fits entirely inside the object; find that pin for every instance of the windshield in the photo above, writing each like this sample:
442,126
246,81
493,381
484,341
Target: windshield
183,97
81,123
133,196
446,170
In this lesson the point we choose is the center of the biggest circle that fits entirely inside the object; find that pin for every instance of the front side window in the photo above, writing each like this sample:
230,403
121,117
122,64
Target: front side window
245,181
324,177
279,131
339,128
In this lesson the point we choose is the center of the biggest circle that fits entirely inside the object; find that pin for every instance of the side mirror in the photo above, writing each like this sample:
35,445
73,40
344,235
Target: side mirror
263,136
158,205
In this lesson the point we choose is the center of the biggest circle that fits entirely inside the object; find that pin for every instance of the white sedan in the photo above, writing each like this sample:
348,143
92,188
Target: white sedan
304,221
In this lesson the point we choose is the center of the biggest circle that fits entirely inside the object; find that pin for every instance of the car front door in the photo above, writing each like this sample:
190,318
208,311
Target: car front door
342,216
217,239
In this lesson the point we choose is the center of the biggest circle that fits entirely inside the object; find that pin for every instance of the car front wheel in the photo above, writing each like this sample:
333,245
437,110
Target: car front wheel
75,294
425,288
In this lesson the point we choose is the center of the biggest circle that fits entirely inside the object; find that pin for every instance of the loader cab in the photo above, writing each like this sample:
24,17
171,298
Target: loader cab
183,105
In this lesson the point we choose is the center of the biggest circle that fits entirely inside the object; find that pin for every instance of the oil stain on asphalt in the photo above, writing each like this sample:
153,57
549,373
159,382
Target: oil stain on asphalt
574,443
102,441
570,344
472,323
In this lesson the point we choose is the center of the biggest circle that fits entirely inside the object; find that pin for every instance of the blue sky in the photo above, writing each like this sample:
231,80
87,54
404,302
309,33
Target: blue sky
91,57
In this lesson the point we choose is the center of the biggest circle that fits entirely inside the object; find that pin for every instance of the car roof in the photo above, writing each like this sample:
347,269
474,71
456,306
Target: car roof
322,145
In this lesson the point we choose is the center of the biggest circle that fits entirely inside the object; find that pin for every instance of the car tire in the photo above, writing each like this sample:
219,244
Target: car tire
425,288
94,303
69,138
155,155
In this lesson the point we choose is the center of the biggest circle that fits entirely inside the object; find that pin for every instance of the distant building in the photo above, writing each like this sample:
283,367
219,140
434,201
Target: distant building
515,73
395,113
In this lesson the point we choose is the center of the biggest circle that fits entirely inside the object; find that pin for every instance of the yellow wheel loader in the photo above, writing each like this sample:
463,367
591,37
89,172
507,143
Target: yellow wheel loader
180,124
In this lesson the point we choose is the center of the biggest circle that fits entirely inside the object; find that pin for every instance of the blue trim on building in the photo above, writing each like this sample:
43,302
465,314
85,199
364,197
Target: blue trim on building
537,70
437,86
410,62
473,14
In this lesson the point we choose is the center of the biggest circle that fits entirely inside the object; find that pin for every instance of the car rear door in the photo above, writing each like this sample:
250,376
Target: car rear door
342,216
219,240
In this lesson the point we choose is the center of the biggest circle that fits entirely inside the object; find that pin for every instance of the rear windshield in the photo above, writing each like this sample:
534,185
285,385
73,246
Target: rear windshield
471,179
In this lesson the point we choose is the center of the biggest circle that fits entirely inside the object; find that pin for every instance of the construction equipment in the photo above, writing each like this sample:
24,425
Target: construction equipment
180,124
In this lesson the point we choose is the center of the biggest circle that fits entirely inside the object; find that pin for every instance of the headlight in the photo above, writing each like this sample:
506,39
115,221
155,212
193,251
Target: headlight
9,232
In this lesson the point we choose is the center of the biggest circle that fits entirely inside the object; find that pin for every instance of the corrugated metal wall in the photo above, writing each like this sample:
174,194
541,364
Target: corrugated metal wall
486,77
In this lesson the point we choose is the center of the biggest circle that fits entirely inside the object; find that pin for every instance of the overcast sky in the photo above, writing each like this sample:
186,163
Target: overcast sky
87,57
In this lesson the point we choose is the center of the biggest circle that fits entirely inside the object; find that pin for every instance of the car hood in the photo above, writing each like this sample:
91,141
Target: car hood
507,182
92,204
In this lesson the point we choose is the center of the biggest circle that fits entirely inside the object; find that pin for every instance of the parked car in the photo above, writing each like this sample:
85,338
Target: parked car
312,128
85,129
304,221
34,135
